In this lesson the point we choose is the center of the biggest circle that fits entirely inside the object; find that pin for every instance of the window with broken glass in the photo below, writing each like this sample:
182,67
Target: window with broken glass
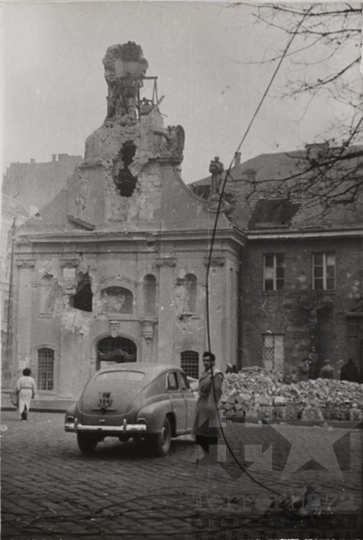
274,271
324,271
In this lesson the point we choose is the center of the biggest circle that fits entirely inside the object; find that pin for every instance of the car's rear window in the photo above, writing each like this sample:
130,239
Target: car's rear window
121,376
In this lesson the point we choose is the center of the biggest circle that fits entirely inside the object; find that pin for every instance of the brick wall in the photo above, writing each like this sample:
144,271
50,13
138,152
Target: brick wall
279,312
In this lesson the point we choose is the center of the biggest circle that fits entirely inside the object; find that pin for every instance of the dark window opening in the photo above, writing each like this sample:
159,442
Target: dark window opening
173,381
116,349
125,181
45,369
191,285
82,300
273,213
149,293
190,363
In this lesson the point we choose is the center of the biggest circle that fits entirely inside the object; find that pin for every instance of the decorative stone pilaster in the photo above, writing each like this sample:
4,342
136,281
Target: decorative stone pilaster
147,330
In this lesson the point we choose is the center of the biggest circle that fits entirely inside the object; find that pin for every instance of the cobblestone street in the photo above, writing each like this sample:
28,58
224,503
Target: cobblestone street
52,491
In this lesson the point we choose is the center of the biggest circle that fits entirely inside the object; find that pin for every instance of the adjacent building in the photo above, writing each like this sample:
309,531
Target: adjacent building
26,187
301,289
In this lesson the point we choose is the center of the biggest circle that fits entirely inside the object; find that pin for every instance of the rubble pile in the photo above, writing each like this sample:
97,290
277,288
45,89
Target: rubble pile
260,394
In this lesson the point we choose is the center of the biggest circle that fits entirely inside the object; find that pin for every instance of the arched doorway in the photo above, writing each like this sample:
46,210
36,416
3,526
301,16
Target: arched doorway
115,350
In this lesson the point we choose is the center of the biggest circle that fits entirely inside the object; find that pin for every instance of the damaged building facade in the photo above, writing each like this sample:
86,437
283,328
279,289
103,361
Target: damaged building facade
114,267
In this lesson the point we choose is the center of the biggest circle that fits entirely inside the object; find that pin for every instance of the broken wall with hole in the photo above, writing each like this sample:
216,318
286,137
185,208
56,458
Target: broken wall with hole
114,268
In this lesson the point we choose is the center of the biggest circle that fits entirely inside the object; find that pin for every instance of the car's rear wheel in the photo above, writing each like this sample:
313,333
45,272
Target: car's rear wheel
87,442
160,444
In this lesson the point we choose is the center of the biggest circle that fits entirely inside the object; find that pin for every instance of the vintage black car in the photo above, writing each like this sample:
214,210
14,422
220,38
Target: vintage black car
143,401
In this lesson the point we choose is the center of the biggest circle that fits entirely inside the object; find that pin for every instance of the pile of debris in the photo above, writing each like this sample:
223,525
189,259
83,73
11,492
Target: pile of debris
259,394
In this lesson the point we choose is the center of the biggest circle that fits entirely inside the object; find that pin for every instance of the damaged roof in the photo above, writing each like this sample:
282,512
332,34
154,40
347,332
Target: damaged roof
320,187
273,213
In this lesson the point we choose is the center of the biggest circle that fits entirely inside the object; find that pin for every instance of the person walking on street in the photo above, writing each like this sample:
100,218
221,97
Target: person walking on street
26,389
349,372
206,426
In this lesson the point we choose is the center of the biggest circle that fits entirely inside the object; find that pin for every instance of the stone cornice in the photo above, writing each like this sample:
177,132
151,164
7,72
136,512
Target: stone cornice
26,263
215,261
313,233
87,237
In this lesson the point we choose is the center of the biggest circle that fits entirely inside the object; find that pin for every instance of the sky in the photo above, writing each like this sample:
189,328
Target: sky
206,56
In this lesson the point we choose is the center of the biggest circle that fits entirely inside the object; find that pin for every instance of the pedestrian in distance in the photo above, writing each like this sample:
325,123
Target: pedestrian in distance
231,368
25,388
349,372
206,426
304,370
327,371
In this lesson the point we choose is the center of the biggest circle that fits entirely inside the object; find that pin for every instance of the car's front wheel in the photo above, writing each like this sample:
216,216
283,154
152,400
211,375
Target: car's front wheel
87,442
160,444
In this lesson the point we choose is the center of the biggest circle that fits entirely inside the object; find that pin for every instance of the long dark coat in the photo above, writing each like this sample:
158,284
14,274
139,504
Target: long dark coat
206,421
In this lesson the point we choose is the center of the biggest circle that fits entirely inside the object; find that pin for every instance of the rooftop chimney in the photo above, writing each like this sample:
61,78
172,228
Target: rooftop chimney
237,159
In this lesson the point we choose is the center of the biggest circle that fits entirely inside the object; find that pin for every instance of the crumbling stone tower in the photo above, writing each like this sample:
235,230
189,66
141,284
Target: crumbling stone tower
114,268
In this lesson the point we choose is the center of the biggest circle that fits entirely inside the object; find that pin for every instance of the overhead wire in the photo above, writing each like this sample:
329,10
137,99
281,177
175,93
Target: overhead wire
214,232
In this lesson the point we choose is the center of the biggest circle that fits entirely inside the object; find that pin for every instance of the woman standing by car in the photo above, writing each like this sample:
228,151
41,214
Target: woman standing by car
207,423
25,388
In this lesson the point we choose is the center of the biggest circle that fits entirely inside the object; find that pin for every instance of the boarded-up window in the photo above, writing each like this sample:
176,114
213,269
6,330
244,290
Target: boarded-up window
190,363
45,369
273,352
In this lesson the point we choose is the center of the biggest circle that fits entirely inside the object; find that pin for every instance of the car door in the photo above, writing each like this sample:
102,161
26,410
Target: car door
177,401
190,400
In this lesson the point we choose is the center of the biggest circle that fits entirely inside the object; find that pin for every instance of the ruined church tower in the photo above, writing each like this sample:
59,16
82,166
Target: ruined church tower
114,268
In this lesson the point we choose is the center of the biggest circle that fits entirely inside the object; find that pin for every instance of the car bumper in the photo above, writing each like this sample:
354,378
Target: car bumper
74,427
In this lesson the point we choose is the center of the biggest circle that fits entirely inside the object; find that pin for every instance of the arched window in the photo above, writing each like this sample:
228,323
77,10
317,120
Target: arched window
149,290
117,299
190,363
45,369
191,285
116,350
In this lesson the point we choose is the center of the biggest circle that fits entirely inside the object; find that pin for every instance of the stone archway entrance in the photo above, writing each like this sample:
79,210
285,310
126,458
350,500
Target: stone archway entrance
115,350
